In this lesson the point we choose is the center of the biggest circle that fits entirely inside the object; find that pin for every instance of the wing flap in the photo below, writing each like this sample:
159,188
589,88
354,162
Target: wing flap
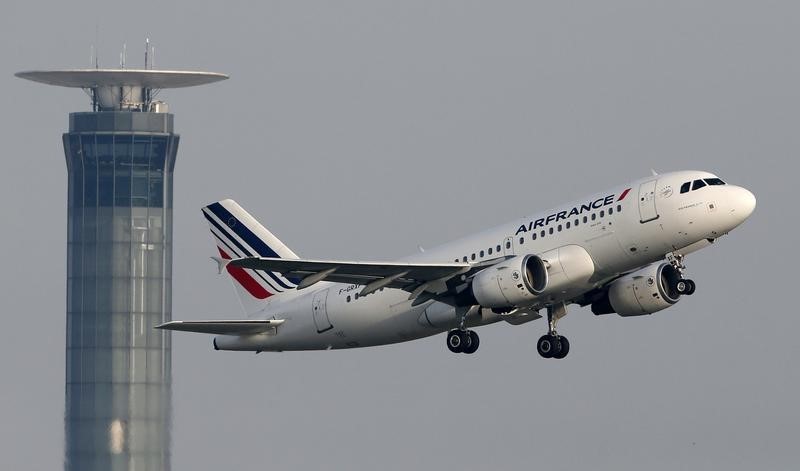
228,327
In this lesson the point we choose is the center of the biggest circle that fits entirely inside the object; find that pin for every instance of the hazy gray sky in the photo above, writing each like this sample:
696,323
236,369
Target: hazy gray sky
361,129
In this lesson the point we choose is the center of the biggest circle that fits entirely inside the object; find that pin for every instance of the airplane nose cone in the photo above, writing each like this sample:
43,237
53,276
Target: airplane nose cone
744,203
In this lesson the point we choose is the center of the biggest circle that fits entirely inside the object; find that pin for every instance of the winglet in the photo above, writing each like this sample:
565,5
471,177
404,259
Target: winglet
221,263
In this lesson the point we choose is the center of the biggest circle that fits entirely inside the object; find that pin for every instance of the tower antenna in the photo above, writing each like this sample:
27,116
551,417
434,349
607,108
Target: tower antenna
146,51
96,34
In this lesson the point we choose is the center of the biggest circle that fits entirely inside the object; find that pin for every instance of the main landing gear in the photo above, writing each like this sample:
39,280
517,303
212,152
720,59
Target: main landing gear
462,340
552,345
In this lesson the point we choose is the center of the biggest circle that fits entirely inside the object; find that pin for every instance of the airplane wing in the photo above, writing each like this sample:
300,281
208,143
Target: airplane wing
415,277
230,327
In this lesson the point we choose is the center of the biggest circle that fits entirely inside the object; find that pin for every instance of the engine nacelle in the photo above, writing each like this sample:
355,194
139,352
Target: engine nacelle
534,279
569,269
515,282
645,291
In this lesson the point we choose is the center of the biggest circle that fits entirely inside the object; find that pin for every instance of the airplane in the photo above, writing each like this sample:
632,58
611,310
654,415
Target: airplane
618,251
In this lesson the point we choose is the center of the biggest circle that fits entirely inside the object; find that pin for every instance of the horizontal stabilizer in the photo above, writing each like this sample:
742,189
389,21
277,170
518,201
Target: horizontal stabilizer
231,327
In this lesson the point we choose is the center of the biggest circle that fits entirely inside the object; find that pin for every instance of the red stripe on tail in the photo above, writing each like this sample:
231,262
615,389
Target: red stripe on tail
243,278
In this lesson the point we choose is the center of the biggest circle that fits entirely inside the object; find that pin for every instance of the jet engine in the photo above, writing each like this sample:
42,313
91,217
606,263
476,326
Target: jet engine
533,279
645,291
515,282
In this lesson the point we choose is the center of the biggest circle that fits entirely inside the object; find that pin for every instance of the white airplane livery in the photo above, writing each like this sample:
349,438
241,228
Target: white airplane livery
619,251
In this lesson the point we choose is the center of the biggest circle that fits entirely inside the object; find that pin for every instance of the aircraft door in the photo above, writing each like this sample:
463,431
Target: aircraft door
508,246
647,201
320,311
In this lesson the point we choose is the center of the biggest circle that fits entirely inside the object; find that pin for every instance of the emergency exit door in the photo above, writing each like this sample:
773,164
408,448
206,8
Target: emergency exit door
320,311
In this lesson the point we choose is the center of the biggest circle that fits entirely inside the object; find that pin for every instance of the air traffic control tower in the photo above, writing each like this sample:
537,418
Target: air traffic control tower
120,160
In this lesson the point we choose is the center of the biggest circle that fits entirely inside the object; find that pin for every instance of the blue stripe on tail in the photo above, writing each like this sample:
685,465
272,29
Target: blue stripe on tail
242,231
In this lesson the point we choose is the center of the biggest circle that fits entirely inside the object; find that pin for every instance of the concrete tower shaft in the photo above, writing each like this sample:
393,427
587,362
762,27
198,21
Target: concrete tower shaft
119,275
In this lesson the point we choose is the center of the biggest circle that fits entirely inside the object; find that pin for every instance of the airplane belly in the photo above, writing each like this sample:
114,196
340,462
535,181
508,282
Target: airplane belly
383,317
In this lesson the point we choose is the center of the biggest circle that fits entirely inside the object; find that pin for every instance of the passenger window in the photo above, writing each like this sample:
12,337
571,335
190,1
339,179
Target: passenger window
551,230
698,184
490,250
542,233
585,219
481,253
568,224
456,260
473,256
498,249
610,211
508,245
521,240
594,216
714,181
602,213
559,228
348,296
533,236
685,187
465,259
619,208
577,221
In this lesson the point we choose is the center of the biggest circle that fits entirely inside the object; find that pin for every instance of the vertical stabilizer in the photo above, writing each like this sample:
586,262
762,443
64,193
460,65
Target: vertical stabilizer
237,234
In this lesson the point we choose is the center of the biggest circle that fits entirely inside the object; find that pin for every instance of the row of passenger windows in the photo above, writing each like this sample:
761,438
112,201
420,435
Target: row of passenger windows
357,295
535,235
697,184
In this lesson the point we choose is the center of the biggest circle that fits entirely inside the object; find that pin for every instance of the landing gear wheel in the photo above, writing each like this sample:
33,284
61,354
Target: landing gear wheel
685,286
564,348
682,287
474,342
548,346
690,288
457,341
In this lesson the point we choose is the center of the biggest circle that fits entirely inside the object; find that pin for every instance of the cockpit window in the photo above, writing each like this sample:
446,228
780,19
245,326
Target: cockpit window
714,181
698,184
685,187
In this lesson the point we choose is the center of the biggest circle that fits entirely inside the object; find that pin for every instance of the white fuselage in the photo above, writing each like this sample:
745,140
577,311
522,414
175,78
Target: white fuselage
622,229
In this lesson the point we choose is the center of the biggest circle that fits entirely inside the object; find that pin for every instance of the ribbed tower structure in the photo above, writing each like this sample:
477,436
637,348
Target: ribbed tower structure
120,160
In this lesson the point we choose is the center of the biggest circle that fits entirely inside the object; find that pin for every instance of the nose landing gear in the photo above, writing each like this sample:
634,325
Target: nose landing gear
683,285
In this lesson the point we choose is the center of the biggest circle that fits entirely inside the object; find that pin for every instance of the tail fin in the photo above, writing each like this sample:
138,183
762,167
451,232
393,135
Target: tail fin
237,234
